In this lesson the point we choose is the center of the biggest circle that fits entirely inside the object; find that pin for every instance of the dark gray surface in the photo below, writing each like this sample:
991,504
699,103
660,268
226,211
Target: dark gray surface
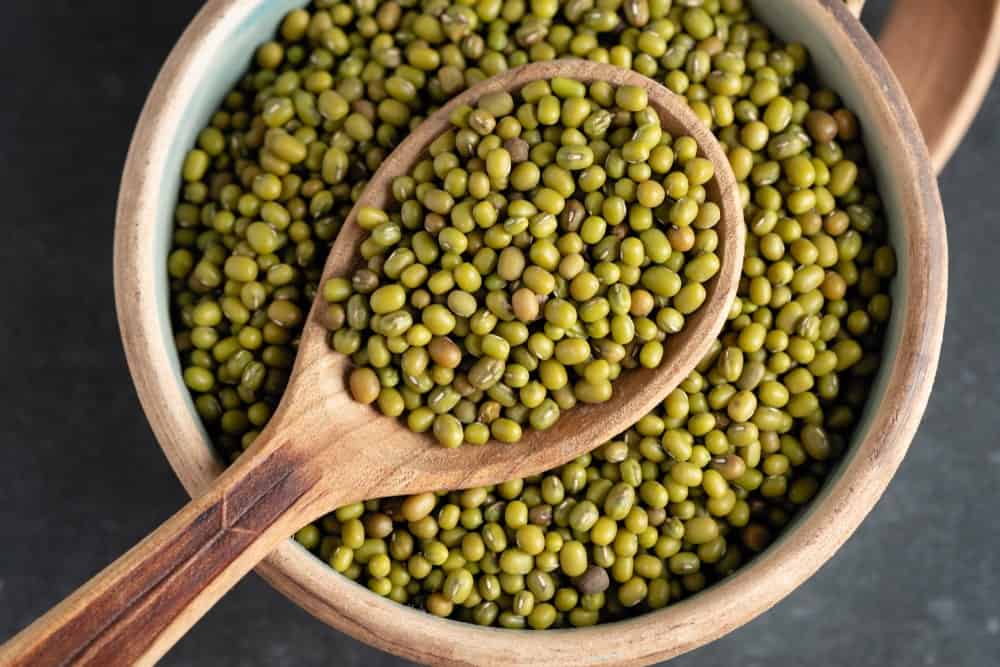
82,479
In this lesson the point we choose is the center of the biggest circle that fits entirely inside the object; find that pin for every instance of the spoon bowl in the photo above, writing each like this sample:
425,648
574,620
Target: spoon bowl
583,427
322,450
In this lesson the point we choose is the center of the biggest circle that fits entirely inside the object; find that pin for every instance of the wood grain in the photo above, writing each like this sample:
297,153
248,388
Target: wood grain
945,54
321,450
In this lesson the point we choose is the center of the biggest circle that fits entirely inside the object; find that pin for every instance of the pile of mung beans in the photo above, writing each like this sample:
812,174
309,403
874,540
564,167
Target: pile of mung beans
538,250
694,489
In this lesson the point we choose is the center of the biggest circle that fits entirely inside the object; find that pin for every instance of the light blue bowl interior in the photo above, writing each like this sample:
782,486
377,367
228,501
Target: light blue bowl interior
789,21
230,58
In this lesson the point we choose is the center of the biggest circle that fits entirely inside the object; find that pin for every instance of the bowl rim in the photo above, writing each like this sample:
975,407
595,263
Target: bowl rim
658,635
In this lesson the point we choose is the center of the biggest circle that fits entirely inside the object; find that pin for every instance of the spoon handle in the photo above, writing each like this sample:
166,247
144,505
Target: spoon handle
140,605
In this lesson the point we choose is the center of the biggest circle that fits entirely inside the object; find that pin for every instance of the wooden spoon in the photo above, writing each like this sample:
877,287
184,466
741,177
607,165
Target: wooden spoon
322,450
